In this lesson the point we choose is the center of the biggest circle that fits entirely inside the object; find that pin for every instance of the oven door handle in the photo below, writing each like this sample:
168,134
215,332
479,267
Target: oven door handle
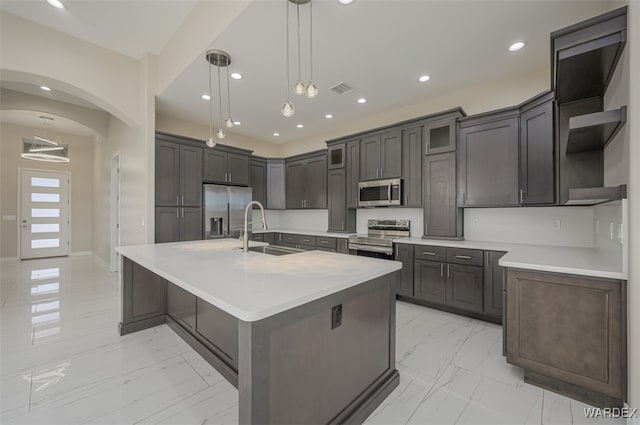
389,192
371,248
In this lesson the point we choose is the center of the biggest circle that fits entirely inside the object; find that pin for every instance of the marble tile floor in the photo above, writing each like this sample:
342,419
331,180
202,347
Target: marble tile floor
63,362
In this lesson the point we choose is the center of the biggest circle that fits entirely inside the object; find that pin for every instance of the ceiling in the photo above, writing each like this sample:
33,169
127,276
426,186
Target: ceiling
56,95
58,125
379,47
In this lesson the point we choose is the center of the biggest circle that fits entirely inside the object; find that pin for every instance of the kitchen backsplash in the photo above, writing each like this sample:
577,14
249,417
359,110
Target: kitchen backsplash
610,229
316,220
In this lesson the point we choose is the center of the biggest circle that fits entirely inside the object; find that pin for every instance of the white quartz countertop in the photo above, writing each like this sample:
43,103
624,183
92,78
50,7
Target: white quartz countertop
306,232
558,259
252,286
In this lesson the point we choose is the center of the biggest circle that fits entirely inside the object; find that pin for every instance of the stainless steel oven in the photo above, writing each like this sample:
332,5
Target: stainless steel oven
378,242
380,193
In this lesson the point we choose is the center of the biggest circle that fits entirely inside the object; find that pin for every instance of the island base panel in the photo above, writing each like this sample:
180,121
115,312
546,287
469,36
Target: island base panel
294,368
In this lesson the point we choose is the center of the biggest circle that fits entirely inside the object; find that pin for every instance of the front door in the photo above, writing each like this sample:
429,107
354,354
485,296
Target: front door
44,214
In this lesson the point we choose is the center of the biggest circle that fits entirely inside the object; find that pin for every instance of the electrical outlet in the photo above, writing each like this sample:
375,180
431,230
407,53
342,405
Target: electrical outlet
336,316
555,224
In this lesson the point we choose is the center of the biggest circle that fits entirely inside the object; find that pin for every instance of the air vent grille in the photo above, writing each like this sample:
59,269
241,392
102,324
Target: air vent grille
342,88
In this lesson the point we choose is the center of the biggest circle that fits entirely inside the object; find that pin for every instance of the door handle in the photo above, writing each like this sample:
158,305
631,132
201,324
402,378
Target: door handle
428,253
448,270
182,200
182,212
389,192
177,200
381,172
463,257
522,196
377,171
441,269
342,226
229,177
177,214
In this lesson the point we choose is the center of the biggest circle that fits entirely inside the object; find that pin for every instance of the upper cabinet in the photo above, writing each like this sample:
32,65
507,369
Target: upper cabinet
352,172
258,174
412,166
488,160
306,181
226,166
342,186
440,136
380,155
276,184
178,173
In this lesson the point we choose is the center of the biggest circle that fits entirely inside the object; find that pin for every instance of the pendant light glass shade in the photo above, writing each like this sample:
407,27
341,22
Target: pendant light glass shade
299,88
229,122
287,109
311,91
211,142
220,134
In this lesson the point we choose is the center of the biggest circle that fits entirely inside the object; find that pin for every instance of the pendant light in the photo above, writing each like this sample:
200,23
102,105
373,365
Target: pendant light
287,108
218,58
311,91
299,88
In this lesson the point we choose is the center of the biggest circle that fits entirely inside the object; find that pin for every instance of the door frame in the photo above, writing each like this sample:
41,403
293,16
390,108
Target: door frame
114,222
19,207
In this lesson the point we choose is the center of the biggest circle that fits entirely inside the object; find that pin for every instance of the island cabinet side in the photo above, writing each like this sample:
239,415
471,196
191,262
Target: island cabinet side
569,333
144,298
328,361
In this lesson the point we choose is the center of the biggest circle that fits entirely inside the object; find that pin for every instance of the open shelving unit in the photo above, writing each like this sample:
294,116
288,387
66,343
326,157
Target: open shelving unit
594,131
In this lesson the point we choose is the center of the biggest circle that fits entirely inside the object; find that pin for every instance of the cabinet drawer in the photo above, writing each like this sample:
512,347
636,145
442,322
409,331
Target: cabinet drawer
290,238
306,241
320,248
471,257
431,253
259,237
325,242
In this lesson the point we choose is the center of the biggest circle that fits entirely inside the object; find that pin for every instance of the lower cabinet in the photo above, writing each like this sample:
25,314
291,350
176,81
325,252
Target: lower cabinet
430,282
175,224
219,329
464,287
181,306
143,297
404,282
569,333
494,276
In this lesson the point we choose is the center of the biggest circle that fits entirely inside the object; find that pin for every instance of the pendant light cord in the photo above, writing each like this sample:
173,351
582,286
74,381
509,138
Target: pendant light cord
228,93
311,40
288,79
210,105
299,61
219,98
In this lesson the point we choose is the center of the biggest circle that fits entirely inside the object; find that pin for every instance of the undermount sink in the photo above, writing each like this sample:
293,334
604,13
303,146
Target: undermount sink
274,250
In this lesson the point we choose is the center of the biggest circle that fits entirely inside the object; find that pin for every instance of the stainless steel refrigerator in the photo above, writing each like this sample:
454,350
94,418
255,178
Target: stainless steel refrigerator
224,210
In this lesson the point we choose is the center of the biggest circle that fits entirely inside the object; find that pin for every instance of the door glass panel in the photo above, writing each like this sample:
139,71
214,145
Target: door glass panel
45,197
439,137
44,182
45,212
45,243
45,228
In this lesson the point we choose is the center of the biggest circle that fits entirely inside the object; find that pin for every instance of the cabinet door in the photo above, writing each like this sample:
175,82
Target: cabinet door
336,155
353,172
429,281
488,172
391,146
167,224
190,224
464,287
238,169
441,213
342,246
295,184
370,158
190,176
315,192
493,284
276,185
412,167
181,306
536,155
337,201
167,174
404,279
269,238
440,137
219,329
215,166
258,171
144,293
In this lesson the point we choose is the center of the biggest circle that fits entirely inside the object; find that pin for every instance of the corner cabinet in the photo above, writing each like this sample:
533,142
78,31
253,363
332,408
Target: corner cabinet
226,165
380,155
258,175
306,181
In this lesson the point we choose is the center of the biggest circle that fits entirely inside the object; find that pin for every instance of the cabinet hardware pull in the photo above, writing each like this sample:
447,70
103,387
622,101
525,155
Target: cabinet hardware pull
324,242
177,214
429,253
463,257
441,269
342,226
522,196
306,240
389,192
182,200
381,168
182,212
448,270
177,200
464,199
230,178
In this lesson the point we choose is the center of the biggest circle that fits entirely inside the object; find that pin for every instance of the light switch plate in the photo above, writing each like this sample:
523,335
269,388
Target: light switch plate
556,224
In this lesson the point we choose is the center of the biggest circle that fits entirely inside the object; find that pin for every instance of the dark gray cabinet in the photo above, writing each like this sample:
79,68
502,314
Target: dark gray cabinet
342,246
337,201
440,136
181,306
404,279
537,164
219,330
352,172
430,281
412,167
143,296
494,276
381,155
337,156
178,174
488,160
226,167
276,181
464,287
175,224
258,172
306,181
442,217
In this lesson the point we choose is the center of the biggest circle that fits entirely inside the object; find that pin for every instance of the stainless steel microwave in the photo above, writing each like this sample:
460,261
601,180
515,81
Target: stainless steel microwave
380,193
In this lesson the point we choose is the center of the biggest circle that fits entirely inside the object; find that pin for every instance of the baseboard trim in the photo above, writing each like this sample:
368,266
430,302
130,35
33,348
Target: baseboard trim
8,259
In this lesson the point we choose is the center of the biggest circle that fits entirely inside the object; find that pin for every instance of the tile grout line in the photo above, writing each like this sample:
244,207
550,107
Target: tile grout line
30,390
542,410
194,369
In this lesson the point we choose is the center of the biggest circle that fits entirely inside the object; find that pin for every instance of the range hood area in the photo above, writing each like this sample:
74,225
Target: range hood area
585,128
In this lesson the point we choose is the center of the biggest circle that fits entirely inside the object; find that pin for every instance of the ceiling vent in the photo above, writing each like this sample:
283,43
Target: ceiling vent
342,88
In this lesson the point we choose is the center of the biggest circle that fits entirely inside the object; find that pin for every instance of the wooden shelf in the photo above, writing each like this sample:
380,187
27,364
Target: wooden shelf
594,131
596,195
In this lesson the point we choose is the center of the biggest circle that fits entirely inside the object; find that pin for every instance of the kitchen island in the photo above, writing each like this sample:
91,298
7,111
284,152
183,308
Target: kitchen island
306,338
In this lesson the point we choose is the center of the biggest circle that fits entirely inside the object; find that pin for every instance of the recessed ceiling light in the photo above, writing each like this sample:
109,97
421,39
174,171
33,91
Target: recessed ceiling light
276,134
345,1
236,122
236,76
206,97
517,46
56,4
424,78
45,88
299,125
328,116
362,100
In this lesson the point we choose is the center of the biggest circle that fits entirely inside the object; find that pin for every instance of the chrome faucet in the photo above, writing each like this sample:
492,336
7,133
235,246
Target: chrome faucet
245,235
